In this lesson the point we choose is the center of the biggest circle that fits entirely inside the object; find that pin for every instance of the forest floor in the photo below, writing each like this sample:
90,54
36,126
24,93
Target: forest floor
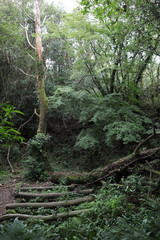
6,195
7,190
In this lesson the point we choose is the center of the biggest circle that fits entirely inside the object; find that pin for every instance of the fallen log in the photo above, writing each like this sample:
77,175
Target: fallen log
118,167
51,204
76,178
51,195
45,218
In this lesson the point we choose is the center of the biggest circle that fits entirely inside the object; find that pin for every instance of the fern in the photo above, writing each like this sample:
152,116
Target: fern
86,139
111,118
19,231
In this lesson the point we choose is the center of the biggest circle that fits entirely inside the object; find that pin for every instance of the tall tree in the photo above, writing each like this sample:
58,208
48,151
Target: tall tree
42,126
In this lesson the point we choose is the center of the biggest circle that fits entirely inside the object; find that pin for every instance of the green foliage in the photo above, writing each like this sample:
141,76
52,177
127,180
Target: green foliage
113,216
19,231
35,159
128,210
35,169
110,117
7,129
87,139
143,226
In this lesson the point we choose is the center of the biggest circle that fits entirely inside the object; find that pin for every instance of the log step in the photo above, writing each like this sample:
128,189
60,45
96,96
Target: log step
72,186
52,204
45,218
51,195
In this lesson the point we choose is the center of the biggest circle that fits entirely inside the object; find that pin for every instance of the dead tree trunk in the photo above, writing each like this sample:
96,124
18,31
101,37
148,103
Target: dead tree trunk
43,105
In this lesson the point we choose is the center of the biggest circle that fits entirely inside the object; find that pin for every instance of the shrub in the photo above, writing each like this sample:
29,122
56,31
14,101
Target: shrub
36,161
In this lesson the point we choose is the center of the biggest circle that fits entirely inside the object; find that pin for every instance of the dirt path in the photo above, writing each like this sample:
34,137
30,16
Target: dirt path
7,189
6,196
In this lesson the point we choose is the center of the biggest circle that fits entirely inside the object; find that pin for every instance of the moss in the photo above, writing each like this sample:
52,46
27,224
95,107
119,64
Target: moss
68,178
42,99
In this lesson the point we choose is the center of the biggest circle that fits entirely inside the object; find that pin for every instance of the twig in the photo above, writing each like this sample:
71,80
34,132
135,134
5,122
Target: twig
26,122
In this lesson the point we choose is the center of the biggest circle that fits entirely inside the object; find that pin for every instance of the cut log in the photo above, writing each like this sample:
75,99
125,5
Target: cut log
45,218
72,186
52,204
51,195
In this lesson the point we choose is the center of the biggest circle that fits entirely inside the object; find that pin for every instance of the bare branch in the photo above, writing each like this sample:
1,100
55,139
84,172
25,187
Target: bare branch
28,38
32,57
25,11
35,111
26,121
44,21
26,73
26,28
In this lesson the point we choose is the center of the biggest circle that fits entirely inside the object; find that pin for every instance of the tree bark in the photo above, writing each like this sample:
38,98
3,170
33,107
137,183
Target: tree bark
43,104
52,204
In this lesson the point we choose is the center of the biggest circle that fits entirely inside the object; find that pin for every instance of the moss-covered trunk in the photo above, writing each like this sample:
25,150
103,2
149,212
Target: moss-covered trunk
43,105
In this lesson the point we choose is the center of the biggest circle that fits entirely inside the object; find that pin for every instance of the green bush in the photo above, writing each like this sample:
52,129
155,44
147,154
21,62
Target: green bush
139,226
35,159
105,120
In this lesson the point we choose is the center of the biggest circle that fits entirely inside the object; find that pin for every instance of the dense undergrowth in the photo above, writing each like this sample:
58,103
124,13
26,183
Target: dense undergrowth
124,211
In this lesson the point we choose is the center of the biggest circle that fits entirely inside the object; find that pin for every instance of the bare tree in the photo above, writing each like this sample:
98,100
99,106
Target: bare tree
43,105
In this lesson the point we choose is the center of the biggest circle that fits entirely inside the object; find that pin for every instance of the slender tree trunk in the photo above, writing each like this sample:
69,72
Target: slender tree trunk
43,105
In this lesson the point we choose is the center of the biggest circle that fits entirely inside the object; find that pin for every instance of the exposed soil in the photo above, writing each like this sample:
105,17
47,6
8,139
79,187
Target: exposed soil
6,195
7,190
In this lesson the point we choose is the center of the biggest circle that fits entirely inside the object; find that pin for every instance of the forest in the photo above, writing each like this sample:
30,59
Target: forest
80,120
